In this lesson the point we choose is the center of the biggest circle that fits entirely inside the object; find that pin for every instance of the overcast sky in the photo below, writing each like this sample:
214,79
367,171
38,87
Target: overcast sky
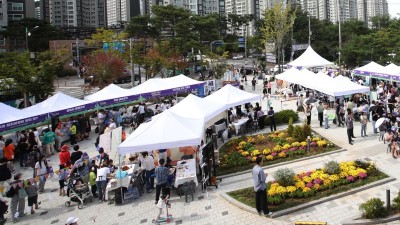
394,7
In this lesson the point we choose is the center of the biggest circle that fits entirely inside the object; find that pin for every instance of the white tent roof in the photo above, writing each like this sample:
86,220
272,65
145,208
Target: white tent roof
291,75
158,84
151,85
167,130
371,67
394,68
55,103
309,59
198,108
231,96
110,92
9,114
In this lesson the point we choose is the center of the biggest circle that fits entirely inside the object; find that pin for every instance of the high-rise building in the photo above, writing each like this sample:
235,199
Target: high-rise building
74,13
120,11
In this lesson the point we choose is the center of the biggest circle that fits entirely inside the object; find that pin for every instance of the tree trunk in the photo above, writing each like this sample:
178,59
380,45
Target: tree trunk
25,99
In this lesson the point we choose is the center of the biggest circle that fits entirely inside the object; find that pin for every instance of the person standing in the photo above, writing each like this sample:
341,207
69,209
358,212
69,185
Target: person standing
339,116
22,147
76,155
48,141
41,171
349,124
364,122
5,175
148,166
161,177
259,181
141,112
2,143
253,84
101,180
307,110
17,202
320,109
65,156
269,87
271,115
72,133
326,117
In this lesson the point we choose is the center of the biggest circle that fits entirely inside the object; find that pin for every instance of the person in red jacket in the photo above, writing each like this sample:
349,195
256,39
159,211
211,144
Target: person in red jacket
65,156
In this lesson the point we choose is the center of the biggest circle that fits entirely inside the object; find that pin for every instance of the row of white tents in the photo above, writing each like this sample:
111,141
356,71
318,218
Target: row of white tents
374,70
184,124
338,86
64,105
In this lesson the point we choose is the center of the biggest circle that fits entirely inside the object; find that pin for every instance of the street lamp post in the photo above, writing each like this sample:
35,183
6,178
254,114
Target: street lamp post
340,37
27,34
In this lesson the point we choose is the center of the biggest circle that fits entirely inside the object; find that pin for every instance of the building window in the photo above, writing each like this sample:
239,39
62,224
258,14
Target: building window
12,6
15,17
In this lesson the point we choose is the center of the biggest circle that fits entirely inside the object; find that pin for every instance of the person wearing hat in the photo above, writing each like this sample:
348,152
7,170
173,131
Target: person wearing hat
65,156
72,221
17,203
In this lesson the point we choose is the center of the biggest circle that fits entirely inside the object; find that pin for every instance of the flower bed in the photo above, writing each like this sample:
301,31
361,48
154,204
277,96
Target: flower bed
279,146
290,189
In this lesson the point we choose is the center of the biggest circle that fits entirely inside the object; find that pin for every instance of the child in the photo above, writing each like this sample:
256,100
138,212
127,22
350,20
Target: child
32,191
162,203
92,181
61,179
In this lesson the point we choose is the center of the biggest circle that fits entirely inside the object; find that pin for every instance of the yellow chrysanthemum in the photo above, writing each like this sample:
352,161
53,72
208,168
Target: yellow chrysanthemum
317,186
266,151
306,189
245,153
281,155
303,143
291,189
269,157
277,148
299,184
334,177
286,146
253,159
296,144
321,143
307,179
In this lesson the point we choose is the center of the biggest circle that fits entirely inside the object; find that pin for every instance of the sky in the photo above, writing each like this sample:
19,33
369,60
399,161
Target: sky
394,7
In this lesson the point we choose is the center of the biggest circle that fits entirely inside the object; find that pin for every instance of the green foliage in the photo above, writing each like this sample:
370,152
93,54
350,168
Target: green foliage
67,72
306,130
374,208
396,202
235,159
290,127
283,117
332,167
285,177
298,133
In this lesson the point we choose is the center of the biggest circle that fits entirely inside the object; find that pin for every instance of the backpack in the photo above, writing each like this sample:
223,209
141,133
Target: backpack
11,192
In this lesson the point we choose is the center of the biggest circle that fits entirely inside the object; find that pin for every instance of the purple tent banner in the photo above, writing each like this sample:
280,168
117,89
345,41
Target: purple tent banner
73,110
375,74
120,100
173,91
22,122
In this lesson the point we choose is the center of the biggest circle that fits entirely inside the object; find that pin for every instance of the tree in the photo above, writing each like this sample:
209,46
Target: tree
30,77
238,21
105,67
38,41
278,22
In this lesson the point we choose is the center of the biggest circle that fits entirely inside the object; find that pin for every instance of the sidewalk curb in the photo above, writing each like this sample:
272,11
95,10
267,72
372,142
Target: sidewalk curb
284,163
245,207
371,221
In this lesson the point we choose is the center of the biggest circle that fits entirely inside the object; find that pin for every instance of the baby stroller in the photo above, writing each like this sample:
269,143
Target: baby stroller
78,191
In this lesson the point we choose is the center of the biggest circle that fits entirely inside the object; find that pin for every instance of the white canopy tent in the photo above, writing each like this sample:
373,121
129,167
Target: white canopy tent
182,80
231,96
56,103
309,59
375,70
9,113
166,130
199,108
112,91
291,75
393,68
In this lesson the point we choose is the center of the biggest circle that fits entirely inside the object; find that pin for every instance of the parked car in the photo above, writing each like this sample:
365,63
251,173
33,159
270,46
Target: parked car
275,70
237,57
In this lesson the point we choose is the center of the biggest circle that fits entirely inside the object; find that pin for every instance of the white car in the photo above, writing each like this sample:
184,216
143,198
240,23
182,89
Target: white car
237,57
275,70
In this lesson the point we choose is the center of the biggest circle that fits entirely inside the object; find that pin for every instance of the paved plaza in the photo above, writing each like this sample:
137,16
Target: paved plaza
209,208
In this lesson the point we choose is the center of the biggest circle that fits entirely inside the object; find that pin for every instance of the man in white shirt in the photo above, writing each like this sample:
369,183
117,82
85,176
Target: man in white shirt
148,166
101,180
141,112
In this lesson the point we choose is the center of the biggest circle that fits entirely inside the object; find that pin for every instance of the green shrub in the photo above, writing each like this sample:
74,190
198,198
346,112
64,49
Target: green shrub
298,134
332,167
285,177
67,72
290,127
283,117
396,202
374,208
236,159
306,130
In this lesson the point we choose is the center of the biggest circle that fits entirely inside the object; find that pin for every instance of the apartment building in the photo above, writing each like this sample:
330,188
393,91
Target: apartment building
120,11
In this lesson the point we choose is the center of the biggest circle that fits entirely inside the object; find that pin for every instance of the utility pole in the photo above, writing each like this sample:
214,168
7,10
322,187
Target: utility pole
77,58
309,29
131,59
340,36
